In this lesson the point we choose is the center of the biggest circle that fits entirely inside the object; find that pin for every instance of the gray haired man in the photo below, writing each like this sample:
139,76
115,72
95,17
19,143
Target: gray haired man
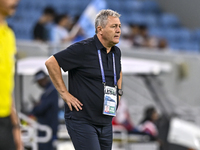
95,78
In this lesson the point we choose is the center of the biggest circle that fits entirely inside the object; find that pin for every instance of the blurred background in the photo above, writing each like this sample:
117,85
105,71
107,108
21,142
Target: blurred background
160,44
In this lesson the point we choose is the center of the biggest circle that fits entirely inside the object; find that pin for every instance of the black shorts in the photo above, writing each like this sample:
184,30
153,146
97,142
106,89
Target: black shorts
86,136
6,134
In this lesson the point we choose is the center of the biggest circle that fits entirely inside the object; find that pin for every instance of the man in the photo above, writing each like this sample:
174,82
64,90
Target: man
9,124
40,31
93,67
46,110
59,32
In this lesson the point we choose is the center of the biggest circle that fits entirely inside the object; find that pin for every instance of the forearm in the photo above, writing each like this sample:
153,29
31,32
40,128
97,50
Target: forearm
56,75
68,39
14,117
16,128
119,83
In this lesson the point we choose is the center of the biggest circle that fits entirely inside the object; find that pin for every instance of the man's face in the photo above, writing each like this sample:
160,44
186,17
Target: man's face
8,7
42,82
49,18
112,31
65,22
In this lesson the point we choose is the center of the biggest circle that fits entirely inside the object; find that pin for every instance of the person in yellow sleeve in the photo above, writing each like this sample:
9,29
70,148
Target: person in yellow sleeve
9,124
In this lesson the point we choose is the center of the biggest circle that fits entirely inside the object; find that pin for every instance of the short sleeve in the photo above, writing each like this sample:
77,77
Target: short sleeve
70,58
118,53
120,59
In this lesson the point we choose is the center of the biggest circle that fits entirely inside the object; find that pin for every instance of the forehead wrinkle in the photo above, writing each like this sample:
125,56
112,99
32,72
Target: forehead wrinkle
116,22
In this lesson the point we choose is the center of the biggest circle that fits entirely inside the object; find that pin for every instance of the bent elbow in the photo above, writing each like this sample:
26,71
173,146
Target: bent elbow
49,61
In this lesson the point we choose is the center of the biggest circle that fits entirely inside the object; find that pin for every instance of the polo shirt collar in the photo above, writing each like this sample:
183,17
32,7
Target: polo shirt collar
99,45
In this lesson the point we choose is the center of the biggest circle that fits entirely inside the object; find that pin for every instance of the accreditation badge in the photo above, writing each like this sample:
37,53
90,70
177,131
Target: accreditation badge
110,101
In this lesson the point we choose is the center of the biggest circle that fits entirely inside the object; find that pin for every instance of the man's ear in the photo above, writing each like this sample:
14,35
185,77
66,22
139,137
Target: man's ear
99,29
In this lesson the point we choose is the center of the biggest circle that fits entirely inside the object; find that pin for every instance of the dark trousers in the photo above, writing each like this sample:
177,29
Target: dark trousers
86,136
6,134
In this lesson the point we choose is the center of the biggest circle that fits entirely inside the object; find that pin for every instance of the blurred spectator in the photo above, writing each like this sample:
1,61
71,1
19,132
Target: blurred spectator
46,110
123,118
140,35
162,43
137,35
148,124
140,38
156,43
135,30
41,31
73,22
60,31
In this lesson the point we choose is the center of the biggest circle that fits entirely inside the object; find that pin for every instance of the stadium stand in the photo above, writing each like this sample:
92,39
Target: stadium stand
148,12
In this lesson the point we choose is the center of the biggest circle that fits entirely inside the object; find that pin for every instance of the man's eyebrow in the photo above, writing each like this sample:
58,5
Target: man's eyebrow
116,24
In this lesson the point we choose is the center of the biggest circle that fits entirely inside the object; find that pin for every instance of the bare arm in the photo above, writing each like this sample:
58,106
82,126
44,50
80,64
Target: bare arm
119,83
16,128
56,77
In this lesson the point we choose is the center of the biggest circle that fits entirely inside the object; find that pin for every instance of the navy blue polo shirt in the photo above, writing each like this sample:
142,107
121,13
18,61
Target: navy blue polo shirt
85,79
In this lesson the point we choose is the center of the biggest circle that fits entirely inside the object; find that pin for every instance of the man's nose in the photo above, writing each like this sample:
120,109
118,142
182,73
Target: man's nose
118,30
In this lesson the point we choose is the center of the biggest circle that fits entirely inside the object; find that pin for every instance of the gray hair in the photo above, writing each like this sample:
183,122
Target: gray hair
102,17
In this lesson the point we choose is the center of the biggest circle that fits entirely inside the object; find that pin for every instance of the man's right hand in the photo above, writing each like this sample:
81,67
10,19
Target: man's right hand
72,101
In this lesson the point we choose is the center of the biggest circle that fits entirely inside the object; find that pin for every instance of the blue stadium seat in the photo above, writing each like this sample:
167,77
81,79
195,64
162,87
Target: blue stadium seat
171,34
175,46
196,35
169,20
178,34
133,6
157,31
191,46
136,18
151,6
151,20
185,34
145,19
22,29
114,6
